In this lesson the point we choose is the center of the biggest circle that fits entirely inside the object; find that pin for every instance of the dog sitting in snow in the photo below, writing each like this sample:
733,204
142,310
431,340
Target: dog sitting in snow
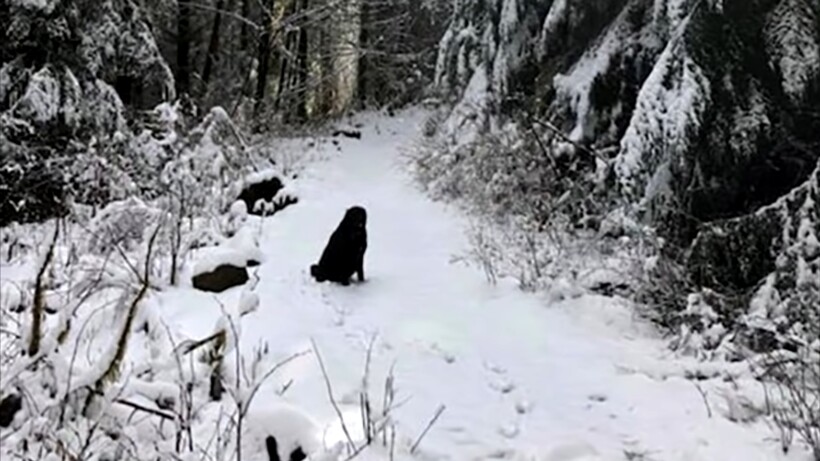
344,253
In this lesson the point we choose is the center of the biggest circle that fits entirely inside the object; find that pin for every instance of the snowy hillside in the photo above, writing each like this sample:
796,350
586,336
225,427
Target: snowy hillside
700,99
509,375
690,124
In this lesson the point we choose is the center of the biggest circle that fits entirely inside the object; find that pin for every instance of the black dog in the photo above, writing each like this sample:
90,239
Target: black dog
344,253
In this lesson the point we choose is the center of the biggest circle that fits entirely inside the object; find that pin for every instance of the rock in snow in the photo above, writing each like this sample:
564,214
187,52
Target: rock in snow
225,276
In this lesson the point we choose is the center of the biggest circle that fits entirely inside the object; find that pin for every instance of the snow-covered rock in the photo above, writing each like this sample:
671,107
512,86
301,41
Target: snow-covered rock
220,268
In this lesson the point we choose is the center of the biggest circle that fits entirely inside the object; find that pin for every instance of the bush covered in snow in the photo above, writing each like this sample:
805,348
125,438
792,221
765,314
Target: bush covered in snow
537,198
106,378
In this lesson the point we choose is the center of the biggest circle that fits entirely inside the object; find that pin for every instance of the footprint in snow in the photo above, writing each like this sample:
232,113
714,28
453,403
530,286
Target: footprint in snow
340,314
580,451
509,430
501,453
523,407
444,354
495,368
503,385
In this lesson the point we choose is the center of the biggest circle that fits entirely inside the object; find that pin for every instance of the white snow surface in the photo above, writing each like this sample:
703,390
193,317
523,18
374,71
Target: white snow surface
521,378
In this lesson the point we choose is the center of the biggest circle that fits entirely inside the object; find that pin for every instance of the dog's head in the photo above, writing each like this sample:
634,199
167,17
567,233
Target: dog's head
355,218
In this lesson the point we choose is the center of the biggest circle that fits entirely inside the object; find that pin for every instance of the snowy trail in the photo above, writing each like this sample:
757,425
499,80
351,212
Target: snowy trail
520,379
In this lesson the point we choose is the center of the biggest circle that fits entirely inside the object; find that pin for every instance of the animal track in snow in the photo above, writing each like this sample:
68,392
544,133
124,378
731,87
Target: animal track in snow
509,430
503,385
523,407
495,368
447,356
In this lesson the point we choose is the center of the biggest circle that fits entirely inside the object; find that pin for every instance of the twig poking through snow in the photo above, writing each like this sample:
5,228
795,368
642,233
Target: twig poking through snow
705,399
112,368
37,311
440,410
330,395
271,372
367,423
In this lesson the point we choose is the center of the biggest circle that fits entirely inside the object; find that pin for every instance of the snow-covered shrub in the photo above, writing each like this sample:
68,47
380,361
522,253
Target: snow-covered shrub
769,261
24,171
112,382
60,112
792,382
211,165
515,173
700,329
536,195
123,223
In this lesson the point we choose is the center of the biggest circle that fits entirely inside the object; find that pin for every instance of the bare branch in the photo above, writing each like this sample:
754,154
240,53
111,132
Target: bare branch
330,395
439,411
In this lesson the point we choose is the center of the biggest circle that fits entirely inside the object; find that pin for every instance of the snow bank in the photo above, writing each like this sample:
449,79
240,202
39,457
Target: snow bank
208,259
291,427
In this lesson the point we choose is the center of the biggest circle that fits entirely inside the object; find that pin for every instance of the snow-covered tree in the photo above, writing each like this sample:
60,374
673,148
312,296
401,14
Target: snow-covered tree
69,69
693,111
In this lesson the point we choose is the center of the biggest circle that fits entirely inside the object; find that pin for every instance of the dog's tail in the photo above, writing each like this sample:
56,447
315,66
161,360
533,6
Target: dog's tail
316,273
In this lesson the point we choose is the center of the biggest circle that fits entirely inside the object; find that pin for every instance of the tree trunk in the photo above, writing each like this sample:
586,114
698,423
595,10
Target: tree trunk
284,85
302,70
213,45
244,38
264,60
183,48
364,38
345,60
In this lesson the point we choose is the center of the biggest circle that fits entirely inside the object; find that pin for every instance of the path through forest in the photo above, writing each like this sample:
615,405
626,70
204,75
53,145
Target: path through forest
520,378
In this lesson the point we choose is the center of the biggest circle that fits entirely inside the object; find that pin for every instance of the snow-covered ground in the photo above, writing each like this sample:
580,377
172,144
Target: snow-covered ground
520,378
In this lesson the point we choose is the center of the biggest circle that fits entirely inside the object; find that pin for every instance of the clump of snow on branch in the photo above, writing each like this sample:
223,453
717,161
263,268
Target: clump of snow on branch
661,127
791,39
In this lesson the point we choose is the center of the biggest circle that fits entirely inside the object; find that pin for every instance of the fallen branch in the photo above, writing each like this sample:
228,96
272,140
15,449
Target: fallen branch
355,134
138,407
189,346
